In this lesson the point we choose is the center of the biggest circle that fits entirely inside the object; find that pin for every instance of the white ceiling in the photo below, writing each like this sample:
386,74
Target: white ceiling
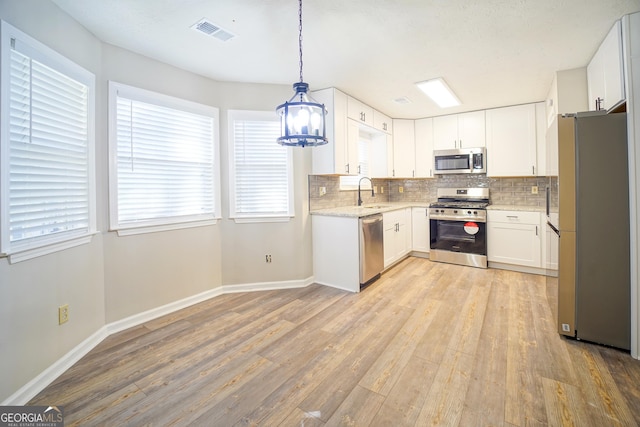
491,52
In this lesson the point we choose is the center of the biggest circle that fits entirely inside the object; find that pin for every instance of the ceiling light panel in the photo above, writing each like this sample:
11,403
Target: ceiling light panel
439,92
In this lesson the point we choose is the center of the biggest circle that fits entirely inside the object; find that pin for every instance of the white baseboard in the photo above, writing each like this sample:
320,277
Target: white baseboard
518,268
46,377
154,313
39,383
267,286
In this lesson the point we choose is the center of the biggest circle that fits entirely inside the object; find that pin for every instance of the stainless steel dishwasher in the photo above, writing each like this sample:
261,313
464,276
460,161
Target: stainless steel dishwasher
371,249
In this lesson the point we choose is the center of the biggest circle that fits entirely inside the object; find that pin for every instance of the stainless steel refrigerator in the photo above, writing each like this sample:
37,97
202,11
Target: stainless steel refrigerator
592,222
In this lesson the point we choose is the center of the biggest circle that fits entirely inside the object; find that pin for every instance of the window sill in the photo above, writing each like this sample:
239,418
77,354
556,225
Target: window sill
165,227
262,219
27,254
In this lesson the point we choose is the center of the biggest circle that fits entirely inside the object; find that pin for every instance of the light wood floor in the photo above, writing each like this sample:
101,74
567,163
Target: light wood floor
427,344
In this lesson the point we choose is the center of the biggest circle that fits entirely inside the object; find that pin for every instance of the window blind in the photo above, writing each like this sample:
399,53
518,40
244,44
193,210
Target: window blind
49,161
165,164
261,170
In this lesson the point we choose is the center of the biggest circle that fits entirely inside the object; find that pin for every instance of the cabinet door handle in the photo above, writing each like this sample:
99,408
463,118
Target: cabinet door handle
358,169
533,170
599,102
460,144
512,216
384,126
346,167
536,230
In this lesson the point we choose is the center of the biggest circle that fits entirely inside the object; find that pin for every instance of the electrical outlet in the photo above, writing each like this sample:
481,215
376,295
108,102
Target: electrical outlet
268,258
400,189
323,191
381,190
534,189
63,314
566,327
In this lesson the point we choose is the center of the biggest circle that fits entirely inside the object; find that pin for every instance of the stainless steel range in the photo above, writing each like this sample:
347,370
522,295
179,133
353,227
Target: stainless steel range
458,226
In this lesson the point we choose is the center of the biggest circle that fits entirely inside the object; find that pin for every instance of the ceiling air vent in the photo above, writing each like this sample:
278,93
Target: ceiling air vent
207,27
402,100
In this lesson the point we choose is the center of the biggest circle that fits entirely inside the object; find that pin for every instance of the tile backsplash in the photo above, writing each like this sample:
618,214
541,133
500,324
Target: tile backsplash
514,191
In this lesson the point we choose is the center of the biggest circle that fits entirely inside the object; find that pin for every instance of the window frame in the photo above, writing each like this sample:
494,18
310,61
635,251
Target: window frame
232,116
49,243
167,101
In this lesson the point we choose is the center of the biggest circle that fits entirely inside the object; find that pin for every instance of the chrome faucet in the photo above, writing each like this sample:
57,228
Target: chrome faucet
359,196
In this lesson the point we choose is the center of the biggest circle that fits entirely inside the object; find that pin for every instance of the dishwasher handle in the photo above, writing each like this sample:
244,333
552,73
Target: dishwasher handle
371,219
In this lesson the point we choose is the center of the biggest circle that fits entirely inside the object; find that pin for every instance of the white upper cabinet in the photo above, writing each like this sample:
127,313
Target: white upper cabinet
331,158
382,122
359,111
445,132
567,94
424,148
605,72
541,139
381,163
465,130
352,153
511,141
403,148
343,154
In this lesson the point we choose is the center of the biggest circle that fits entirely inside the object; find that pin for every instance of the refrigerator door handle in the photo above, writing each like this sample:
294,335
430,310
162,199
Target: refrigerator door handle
548,197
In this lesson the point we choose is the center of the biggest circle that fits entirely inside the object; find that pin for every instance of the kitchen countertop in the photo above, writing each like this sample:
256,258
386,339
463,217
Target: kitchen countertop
367,209
516,208
375,208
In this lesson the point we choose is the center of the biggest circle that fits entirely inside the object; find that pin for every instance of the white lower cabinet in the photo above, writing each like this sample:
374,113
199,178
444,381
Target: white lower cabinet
514,237
420,229
336,251
397,235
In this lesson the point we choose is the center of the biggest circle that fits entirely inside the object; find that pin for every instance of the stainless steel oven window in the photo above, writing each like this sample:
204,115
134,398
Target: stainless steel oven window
454,236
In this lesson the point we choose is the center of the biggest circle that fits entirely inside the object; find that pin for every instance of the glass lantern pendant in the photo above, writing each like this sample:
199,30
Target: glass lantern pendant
302,119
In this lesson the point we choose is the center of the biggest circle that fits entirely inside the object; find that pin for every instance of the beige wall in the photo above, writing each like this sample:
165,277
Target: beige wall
115,277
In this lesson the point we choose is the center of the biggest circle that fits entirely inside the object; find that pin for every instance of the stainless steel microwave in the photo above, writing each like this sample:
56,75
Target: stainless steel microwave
461,160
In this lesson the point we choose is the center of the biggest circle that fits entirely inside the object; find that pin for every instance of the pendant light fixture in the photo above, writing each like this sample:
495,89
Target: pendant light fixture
302,119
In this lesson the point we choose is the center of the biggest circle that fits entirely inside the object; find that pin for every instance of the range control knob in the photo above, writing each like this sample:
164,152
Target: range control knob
468,212
455,211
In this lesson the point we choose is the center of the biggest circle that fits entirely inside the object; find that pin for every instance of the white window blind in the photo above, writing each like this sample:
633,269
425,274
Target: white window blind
164,165
47,146
261,169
